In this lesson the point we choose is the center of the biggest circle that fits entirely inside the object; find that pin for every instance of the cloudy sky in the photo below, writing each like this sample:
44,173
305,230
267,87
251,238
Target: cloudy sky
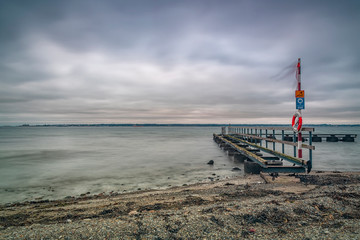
157,61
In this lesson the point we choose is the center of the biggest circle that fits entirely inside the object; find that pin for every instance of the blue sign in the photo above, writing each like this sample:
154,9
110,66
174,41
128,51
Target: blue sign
300,103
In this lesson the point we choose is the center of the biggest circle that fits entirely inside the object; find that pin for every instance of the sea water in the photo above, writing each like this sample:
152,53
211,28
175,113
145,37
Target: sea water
54,162
337,156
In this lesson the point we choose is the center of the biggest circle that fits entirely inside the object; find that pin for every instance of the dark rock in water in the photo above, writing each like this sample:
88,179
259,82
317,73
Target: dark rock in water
236,169
211,162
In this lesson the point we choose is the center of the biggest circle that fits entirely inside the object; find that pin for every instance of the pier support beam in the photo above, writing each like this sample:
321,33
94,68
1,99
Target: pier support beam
252,167
239,157
231,152
332,138
315,138
348,138
288,138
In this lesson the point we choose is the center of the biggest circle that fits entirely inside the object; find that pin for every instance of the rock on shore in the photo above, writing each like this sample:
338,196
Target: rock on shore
316,206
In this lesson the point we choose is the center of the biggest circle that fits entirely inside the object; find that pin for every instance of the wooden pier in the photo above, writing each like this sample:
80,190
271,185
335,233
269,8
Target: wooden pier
251,145
263,148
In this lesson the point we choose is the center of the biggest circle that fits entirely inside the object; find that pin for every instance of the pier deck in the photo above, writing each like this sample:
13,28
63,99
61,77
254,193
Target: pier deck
256,147
270,163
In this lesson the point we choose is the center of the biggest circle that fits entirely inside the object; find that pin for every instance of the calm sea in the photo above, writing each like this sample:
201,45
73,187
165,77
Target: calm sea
55,162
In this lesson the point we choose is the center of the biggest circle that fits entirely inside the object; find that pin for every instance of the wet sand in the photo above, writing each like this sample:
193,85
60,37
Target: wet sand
321,205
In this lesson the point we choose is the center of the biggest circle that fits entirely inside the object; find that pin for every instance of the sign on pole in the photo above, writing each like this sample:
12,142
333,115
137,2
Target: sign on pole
300,103
299,93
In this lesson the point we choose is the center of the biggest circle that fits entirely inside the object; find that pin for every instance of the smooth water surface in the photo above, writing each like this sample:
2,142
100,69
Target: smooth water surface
55,162
337,156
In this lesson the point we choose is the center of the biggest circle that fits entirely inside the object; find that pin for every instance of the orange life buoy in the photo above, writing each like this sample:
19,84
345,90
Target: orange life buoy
296,120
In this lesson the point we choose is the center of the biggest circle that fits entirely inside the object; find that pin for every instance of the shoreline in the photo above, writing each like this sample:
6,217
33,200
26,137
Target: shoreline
325,204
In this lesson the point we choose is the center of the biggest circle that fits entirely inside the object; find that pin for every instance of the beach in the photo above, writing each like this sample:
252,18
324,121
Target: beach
320,205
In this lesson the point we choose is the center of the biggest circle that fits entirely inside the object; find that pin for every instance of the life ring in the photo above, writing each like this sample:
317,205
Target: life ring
296,120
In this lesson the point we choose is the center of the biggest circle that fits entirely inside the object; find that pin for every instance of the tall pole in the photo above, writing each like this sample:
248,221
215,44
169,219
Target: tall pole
298,76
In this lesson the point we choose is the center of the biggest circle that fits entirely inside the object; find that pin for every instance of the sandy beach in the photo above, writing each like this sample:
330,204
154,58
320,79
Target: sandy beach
320,205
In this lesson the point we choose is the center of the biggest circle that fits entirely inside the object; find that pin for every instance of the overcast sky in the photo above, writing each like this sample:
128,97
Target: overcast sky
157,61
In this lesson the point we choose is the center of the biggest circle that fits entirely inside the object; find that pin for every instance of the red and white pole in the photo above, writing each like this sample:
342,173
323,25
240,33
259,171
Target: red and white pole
298,77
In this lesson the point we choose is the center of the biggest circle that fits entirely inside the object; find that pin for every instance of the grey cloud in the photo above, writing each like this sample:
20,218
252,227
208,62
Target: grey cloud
182,61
